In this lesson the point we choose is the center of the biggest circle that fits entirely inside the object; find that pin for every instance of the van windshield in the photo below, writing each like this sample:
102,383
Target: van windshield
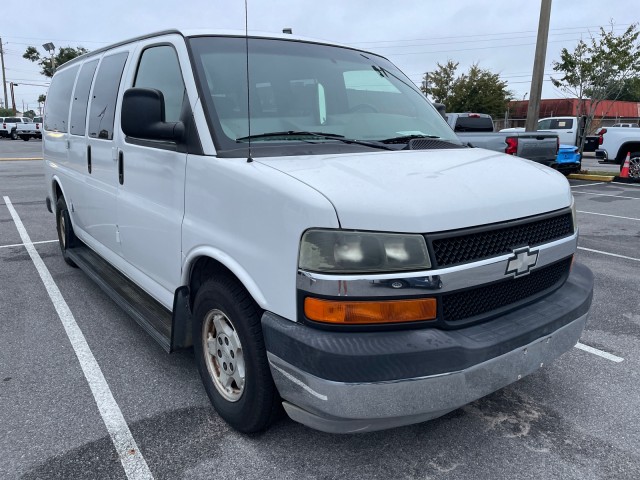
319,97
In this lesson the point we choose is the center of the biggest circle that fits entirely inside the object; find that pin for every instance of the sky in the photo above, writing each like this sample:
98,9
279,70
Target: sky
499,35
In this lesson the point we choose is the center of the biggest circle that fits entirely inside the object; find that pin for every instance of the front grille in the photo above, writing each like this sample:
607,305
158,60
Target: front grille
488,298
476,244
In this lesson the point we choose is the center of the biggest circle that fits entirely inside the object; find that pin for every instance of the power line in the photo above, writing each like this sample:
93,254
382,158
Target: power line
485,34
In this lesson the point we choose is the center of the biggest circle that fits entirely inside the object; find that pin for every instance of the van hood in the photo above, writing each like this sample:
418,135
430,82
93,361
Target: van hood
420,191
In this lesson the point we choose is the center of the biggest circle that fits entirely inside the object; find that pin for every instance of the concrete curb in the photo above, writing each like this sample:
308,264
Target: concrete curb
597,178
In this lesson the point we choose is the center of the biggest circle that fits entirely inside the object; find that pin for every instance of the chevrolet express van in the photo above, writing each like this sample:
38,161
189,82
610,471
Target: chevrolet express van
301,215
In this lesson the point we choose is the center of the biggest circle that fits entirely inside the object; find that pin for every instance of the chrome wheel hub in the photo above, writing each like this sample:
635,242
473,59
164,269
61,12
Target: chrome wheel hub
224,356
634,168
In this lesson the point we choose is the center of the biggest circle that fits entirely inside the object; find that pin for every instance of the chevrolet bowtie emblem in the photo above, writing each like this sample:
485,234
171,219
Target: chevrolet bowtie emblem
522,261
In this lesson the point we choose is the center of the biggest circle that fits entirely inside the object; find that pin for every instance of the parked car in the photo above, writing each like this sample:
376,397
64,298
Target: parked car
259,235
477,130
32,129
8,126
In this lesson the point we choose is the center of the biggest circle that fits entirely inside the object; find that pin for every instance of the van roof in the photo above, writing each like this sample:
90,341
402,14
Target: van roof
208,32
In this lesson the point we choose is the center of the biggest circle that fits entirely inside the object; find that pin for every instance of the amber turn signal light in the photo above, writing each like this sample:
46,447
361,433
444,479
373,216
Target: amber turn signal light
369,312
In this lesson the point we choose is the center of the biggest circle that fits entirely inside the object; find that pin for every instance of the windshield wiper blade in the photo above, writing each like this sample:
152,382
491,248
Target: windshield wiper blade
326,135
289,133
407,138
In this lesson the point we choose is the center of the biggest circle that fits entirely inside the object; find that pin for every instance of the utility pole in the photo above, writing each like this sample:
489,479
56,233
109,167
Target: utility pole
4,80
538,67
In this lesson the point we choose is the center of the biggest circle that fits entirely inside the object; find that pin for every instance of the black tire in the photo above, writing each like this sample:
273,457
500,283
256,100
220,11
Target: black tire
66,238
258,403
25,137
14,135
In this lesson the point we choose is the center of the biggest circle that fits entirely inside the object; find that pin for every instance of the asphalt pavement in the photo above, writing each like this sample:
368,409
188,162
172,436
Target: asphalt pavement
574,419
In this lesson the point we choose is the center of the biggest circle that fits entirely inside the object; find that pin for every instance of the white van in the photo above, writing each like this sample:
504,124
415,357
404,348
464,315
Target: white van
302,216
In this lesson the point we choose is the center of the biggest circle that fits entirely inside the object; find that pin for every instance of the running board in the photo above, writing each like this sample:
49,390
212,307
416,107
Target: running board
154,318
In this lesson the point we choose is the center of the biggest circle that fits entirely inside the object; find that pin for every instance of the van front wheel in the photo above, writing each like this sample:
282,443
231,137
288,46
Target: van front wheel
231,355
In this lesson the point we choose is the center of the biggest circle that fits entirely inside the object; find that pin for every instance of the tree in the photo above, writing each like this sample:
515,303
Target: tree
63,56
629,91
598,69
29,114
6,112
42,98
439,84
478,90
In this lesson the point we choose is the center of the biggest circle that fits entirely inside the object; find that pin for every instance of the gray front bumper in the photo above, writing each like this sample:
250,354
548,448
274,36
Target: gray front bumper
348,381
338,407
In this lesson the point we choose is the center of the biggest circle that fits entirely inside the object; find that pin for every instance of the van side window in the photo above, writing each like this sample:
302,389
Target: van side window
57,106
105,92
81,98
159,69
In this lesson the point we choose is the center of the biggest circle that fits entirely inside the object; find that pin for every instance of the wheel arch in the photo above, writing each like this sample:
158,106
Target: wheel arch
207,262
56,189
631,147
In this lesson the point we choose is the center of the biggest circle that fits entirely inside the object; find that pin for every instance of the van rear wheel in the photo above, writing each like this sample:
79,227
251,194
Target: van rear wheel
66,237
231,355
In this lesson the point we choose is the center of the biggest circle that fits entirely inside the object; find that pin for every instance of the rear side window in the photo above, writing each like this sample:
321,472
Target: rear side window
474,124
105,92
159,69
59,100
81,98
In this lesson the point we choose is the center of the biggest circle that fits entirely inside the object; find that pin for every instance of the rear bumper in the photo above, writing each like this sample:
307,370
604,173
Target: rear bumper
345,382
602,154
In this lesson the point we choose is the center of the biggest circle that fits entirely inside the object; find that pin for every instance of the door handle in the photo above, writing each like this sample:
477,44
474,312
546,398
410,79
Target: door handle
121,167
89,158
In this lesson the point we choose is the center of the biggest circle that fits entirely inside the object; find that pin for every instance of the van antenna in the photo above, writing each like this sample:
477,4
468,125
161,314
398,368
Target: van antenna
246,40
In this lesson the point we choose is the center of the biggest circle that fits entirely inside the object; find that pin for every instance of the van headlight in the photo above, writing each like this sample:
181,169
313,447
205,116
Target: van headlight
574,217
340,251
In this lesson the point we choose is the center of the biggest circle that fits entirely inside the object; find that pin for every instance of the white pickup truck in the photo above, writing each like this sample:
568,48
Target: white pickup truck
8,126
616,142
32,129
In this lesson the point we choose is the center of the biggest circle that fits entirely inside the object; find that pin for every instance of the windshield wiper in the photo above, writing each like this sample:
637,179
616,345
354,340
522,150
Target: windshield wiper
407,138
325,135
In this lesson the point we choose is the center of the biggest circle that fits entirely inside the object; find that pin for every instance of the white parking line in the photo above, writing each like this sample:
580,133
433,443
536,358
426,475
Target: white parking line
606,195
131,458
32,243
608,215
610,254
587,185
600,353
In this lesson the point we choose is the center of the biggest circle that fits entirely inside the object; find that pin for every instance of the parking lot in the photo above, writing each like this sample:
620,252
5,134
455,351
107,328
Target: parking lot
574,419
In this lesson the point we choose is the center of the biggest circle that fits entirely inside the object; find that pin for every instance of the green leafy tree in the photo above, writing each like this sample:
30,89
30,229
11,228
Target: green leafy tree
629,91
478,90
42,98
598,69
6,112
63,56
29,114
439,83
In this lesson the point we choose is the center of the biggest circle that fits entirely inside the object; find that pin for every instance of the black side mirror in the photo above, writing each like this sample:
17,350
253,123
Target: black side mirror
143,116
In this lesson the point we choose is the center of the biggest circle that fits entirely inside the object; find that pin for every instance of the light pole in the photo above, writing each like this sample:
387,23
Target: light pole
13,97
51,48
